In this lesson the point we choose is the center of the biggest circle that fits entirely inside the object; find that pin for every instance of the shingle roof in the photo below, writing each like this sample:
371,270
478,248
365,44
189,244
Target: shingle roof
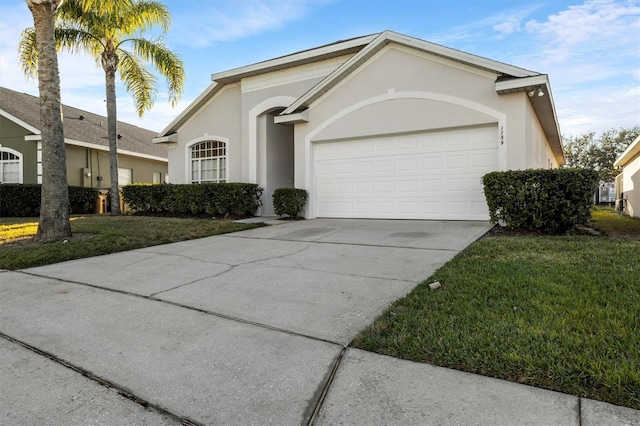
91,128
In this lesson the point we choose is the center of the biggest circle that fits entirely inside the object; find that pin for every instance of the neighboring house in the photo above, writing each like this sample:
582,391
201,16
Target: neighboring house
628,182
380,126
86,146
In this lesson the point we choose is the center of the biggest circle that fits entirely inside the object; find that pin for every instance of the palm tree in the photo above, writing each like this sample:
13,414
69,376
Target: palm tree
54,205
104,31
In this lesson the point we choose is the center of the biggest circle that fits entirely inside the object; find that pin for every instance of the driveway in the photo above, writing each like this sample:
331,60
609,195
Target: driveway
244,328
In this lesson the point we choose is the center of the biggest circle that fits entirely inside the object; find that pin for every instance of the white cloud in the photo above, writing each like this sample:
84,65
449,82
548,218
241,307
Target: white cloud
212,22
580,31
512,25
605,107
592,54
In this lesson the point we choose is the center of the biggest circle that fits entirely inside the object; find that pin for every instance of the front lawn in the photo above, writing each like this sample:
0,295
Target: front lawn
94,235
560,313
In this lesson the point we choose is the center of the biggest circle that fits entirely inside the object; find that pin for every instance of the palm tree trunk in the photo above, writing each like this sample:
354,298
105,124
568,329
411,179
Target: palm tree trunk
110,66
54,206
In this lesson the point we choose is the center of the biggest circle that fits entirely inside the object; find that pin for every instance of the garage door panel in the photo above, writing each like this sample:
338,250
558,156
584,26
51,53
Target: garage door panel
424,176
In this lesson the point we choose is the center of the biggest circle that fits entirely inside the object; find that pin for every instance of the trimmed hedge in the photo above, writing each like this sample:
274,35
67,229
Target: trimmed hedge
241,199
289,201
23,200
548,201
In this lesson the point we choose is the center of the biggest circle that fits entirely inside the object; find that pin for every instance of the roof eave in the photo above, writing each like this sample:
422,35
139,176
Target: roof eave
197,103
628,154
19,122
543,106
295,59
172,138
387,37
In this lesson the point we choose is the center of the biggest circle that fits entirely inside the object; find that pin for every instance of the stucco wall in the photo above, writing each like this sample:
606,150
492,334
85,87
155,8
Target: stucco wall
631,186
538,151
221,117
97,161
402,90
12,136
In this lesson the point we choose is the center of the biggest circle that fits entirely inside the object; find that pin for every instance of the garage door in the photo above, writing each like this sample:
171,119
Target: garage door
432,175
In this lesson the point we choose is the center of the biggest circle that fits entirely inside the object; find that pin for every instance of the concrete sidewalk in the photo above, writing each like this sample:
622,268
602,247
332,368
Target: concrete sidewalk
248,328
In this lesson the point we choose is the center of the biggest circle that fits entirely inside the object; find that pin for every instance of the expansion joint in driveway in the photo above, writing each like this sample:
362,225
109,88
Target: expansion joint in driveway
104,382
327,385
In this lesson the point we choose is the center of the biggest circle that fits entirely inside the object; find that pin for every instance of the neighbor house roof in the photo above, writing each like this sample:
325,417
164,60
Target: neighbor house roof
81,128
629,154
510,78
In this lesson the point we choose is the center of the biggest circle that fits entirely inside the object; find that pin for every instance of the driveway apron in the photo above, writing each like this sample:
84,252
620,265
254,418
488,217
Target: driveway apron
244,328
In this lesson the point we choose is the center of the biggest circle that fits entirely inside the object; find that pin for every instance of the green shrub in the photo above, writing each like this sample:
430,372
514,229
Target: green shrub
548,201
241,199
82,200
20,200
289,201
23,200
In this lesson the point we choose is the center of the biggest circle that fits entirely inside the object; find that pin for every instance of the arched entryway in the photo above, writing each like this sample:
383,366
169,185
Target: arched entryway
275,157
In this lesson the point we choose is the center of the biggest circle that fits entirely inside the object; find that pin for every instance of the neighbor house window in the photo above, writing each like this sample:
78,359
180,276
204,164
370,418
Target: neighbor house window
208,162
157,176
125,176
10,166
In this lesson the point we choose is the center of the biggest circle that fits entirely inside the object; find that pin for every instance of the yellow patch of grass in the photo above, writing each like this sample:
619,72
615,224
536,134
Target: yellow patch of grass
17,231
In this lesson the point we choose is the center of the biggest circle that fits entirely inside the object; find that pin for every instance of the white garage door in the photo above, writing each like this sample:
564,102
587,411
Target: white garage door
419,176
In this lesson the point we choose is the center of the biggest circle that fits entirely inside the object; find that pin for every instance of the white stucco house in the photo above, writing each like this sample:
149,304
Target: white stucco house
628,182
380,126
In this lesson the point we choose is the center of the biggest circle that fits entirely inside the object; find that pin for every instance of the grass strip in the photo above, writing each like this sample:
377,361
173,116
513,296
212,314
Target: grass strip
560,313
96,235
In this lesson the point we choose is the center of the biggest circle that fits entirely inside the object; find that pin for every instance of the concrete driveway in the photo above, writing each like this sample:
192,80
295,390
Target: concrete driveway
244,328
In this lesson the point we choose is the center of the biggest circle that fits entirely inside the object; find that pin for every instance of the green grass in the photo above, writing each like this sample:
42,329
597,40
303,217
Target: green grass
606,220
560,313
95,235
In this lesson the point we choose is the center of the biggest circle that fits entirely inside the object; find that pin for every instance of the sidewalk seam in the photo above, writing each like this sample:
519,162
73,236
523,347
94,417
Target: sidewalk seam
579,411
326,387
103,382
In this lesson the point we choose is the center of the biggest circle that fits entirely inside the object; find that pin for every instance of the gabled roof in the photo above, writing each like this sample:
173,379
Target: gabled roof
339,48
80,127
510,79
383,39
629,154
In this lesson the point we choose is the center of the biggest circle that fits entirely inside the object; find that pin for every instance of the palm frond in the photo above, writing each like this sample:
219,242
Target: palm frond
101,6
165,61
76,40
71,15
144,15
28,51
138,80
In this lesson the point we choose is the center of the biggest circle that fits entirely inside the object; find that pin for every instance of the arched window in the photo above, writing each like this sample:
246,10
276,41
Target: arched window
208,162
10,166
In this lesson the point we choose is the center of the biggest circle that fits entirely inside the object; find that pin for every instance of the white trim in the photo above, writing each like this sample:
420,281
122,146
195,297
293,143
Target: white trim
301,117
20,162
284,61
389,36
627,155
521,84
172,138
309,179
252,120
205,138
19,122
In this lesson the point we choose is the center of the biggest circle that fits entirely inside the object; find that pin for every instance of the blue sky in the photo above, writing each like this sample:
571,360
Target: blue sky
589,48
